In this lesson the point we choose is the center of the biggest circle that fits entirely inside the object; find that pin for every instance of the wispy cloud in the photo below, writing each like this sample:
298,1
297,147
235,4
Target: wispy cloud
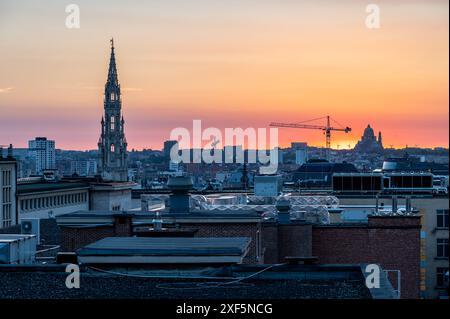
6,90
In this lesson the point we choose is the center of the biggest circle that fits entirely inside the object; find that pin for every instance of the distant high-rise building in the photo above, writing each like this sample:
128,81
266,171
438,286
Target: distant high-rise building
112,145
42,151
301,152
369,143
168,147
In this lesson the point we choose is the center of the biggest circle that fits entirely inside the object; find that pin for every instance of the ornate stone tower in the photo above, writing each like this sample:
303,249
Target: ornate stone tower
112,145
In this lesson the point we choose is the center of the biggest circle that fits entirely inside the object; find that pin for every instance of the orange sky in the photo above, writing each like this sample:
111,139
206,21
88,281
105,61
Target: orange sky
237,63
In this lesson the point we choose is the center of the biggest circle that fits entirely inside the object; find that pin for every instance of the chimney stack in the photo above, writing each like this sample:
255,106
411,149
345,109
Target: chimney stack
179,200
284,215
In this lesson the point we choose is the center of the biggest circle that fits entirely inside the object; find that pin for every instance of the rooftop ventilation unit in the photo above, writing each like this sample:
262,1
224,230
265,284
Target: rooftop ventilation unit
30,226
17,249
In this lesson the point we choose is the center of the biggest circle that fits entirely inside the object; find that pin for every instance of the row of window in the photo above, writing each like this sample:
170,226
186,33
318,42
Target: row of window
6,177
6,206
6,215
442,218
52,201
6,194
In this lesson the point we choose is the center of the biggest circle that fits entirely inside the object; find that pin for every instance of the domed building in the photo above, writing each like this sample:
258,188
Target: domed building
369,143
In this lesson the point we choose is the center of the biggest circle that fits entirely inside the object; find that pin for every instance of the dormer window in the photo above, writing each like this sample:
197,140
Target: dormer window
113,96
113,123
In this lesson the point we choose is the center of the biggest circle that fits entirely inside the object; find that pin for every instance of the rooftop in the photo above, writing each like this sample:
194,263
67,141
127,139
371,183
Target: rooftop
43,186
165,250
271,282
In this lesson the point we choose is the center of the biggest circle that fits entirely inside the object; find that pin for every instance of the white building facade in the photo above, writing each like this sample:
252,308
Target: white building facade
42,151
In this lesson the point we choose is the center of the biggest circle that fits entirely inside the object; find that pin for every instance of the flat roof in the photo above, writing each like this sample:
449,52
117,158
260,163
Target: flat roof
131,250
282,282
202,214
48,186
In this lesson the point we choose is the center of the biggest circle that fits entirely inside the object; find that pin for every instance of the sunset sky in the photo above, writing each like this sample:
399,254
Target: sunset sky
233,63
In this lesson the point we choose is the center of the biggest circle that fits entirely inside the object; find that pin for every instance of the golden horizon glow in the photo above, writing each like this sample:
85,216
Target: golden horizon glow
235,64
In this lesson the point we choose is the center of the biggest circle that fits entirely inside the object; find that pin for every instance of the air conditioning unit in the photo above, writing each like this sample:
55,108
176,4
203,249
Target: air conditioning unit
17,249
31,226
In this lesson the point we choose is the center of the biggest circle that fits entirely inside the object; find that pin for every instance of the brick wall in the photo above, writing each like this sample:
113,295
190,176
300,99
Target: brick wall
270,243
123,226
280,241
391,242
74,238
251,230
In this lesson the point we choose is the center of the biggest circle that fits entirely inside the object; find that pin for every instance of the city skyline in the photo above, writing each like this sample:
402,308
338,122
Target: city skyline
200,64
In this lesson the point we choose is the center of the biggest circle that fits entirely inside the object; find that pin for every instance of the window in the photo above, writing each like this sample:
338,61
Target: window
442,247
116,208
7,215
113,122
113,149
440,276
442,218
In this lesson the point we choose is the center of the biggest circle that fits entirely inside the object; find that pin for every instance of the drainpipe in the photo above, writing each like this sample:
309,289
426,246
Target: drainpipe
394,204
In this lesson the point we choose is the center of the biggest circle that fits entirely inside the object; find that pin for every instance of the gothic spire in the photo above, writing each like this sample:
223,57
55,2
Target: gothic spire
112,146
112,72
